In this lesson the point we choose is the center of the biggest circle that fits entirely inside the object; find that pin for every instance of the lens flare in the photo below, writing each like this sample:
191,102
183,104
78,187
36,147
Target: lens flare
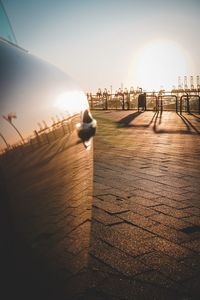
77,99
159,63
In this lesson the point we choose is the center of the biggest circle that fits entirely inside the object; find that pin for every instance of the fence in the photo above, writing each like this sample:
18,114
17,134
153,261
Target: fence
43,137
178,102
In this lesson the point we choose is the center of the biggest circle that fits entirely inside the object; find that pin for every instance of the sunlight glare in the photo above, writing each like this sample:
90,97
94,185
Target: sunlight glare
77,99
159,64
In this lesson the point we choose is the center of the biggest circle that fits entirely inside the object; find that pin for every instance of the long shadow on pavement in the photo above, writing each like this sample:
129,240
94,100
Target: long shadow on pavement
128,119
125,122
157,120
187,123
197,117
190,124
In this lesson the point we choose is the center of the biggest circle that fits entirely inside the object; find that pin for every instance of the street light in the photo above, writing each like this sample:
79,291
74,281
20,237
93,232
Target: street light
9,118
3,138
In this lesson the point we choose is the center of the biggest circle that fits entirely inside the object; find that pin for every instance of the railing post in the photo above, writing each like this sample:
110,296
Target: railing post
129,101
122,101
102,101
91,102
181,104
199,104
157,104
116,98
106,102
176,104
37,137
188,105
161,104
145,102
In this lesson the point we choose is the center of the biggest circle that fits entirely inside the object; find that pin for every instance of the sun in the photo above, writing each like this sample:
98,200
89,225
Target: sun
159,63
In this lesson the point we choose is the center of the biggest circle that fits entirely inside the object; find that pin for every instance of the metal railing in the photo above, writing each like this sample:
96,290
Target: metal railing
45,136
190,103
168,101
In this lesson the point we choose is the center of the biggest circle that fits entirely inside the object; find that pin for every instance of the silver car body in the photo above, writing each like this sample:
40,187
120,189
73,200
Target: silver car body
46,169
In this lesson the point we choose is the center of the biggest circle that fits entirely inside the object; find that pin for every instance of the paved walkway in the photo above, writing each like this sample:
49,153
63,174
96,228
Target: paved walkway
145,240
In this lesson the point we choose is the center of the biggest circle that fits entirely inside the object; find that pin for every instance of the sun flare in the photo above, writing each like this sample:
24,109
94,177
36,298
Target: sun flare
159,63
77,100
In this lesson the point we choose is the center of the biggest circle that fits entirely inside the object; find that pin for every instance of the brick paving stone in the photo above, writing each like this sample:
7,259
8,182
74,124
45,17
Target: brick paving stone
76,245
117,259
133,289
137,219
170,221
109,207
99,186
191,188
170,248
137,208
97,265
145,176
174,190
145,194
193,220
142,201
191,196
167,265
78,262
173,203
193,245
81,230
193,287
170,234
110,198
121,241
169,194
132,231
194,203
176,182
160,188
87,280
157,278
119,193
105,218
171,211
193,261
192,210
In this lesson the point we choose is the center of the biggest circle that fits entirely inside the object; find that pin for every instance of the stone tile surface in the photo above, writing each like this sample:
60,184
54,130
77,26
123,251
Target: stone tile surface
142,240
147,180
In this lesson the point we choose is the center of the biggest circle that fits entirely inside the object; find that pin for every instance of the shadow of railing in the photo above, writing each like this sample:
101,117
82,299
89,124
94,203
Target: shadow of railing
126,122
190,127
128,119
194,115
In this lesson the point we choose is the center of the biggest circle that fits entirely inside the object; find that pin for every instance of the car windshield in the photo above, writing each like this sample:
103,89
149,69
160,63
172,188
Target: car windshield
6,31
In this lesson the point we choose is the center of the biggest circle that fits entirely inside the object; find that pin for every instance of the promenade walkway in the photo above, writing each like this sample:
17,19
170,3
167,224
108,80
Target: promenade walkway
145,240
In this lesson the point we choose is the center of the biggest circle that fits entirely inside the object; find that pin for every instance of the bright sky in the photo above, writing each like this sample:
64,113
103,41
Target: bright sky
145,43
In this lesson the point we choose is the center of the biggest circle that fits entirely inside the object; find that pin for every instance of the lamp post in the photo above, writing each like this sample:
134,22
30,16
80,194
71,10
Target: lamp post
9,118
3,138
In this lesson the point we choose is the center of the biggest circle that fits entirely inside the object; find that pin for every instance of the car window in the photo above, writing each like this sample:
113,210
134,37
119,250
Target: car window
6,31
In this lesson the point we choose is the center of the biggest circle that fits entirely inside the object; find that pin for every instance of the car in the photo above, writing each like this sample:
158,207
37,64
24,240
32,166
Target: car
46,172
